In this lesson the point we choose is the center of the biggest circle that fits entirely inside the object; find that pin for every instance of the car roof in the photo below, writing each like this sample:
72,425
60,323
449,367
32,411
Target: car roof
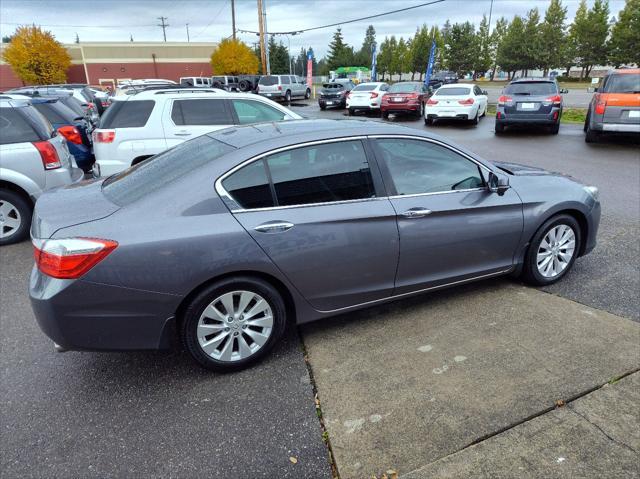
533,79
190,92
456,85
626,71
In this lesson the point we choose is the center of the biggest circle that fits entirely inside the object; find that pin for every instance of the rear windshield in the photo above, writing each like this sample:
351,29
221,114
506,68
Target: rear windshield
531,88
127,114
457,91
404,88
623,83
14,128
268,80
148,176
365,87
335,86
74,105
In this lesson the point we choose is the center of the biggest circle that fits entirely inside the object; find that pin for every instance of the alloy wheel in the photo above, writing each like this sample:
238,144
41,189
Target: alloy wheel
556,251
235,325
10,219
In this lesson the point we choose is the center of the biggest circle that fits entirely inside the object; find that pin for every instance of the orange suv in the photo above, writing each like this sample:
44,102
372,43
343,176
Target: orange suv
615,107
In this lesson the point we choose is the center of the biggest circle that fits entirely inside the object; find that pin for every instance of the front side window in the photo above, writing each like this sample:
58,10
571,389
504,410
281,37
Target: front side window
200,112
321,173
417,167
250,111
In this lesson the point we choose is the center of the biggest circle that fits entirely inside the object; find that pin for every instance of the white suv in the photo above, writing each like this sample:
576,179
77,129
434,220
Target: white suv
141,125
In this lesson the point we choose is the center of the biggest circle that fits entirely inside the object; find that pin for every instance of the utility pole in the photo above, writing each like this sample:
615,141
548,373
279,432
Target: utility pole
266,34
187,33
233,18
263,56
164,26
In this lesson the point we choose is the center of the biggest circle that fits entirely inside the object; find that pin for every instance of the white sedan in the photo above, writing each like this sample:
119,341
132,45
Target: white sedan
366,97
456,101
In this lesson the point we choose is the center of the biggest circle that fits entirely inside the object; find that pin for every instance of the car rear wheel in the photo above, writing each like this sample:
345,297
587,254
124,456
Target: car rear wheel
233,323
552,251
420,112
15,217
555,129
385,115
476,119
499,128
350,111
287,96
591,136
428,121
307,94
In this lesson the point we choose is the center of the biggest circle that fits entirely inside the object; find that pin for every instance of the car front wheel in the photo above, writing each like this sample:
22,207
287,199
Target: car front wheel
233,323
552,251
15,217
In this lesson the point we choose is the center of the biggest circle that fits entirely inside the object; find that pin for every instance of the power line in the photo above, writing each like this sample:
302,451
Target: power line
349,21
215,17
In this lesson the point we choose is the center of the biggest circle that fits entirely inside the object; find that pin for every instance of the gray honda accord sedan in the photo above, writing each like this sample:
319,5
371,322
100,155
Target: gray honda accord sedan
228,239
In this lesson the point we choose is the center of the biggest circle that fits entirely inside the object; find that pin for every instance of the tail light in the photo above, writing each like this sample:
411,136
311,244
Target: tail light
555,115
556,100
374,95
49,155
70,258
468,101
104,136
601,105
505,100
71,134
279,87
431,101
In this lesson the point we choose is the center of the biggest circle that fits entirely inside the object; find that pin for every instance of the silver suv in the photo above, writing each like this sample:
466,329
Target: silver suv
34,159
283,87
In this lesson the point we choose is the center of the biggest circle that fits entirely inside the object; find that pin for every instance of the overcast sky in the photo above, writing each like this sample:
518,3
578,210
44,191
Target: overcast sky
210,20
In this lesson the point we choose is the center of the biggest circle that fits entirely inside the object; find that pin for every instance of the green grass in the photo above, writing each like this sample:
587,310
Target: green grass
569,115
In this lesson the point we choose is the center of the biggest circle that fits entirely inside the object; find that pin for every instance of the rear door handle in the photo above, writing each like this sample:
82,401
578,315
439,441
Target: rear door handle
416,213
274,227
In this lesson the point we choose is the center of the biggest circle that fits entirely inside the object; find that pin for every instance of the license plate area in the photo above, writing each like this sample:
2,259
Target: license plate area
528,106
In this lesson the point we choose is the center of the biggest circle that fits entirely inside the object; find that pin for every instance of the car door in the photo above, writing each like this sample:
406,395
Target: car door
481,98
451,226
322,219
190,117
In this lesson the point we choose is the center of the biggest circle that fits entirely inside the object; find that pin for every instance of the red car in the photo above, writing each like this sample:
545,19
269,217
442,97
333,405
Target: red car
405,97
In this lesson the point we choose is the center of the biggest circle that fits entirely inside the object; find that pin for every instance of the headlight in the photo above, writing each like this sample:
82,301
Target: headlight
321,94
593,191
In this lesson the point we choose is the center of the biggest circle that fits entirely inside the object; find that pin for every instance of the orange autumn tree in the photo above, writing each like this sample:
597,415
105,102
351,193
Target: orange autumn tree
232,57
37,57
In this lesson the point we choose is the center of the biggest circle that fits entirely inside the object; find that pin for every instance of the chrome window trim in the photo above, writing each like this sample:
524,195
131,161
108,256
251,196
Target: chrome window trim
437,193
233,205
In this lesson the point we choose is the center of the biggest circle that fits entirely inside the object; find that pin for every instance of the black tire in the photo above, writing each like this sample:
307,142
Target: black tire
586,122
307,94
195,308
350,111
244,85
530,273
428,122
20,208
499,128
420,112
591,136
555,129
323,107
287,96
385,115
476,120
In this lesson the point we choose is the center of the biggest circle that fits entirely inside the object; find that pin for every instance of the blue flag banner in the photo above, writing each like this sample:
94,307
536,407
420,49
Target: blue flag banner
374,72
432,58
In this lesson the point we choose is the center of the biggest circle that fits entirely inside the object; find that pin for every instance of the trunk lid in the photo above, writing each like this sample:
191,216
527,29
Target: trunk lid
622,108
69,206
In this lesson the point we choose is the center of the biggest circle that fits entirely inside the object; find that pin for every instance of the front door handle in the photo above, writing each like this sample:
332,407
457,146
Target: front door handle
416,213
274,227
183,133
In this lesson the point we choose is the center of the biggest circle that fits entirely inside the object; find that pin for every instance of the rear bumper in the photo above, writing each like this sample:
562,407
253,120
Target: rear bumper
401,108
79,315
618,127
363,107
548,119
332,102
277,95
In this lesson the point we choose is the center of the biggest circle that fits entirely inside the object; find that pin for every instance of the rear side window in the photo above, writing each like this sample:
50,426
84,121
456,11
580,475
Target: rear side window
144,178
127,114
321,173
459,91
268,81
55,113
250,111
623,83
14,128
531,88
285,80
249,186
200,112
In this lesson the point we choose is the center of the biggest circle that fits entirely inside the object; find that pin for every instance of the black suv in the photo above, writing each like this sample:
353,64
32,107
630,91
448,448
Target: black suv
335,93
530,101
442,78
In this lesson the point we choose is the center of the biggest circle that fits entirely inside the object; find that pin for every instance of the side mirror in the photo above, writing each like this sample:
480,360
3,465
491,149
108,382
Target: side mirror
564,90
498,184
485,92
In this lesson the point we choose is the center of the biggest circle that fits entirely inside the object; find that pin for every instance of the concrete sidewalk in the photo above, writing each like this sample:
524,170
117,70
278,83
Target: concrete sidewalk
597,435
406,384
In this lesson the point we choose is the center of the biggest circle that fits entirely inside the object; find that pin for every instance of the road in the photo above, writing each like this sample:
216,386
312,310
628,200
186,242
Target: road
155,414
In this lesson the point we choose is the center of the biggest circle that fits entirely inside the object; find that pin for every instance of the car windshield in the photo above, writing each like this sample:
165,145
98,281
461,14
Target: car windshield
146,177
336,86
457,91
268,80
404,88
531,88
365,87
623,83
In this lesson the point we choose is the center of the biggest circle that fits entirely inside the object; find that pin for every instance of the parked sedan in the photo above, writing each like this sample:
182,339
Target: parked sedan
279,223
530,102
366,97
615,108
457,101
334,94
405,97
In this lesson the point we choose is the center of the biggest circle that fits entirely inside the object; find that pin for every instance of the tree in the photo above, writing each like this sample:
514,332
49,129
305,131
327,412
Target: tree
385,57
364,55
278,57
532,41
553,39
499,33
461,48
512,50
624,45
77,40
232,57
419,51
36,57
589,33
340,54
7,38
484,58
399,56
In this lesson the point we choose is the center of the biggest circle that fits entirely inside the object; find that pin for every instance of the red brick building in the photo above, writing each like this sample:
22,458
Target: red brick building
104,63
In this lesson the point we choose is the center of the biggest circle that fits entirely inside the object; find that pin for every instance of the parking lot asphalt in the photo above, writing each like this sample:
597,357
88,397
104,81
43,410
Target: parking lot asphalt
156,415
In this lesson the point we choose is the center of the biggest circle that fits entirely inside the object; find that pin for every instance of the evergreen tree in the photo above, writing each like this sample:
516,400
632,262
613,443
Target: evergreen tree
553,39
532,41
364,55
589,33
512,50
278,57
484,58
461,48
419,51
624,45
385,57
340,54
